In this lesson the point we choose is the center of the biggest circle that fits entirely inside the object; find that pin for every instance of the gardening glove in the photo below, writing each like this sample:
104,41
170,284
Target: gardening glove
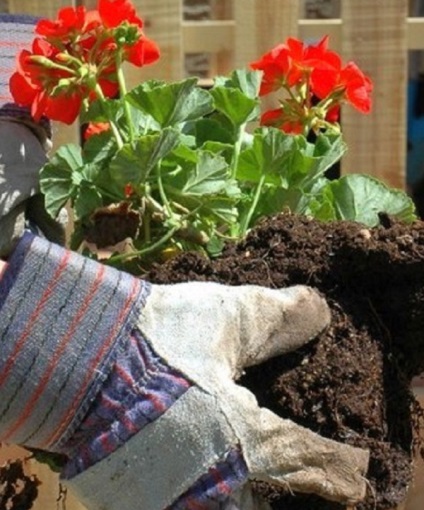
21,205
134,383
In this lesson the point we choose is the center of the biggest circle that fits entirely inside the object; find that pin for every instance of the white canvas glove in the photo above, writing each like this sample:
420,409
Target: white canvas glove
211,333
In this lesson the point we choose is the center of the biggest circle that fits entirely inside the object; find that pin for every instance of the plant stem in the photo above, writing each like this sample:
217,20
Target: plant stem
49,64
237,149
146,227
149,249
115,130
162,193
123,93
247,219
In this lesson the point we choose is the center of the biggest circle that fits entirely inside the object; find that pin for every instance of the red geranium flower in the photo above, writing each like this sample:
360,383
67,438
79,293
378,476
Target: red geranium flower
115,12
35,79
76,57
274,65
316,82
293,63
69,20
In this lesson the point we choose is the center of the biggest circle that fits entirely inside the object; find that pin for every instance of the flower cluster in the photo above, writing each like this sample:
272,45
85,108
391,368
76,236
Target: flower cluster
316,84
78,57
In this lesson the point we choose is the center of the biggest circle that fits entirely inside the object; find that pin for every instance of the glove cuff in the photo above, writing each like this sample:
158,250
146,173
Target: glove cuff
63,320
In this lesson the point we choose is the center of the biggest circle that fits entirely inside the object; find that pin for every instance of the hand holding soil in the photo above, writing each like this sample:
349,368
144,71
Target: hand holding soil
353,384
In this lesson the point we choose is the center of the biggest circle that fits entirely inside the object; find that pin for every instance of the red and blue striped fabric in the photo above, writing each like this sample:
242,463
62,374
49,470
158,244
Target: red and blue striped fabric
140,388
63,320
76,376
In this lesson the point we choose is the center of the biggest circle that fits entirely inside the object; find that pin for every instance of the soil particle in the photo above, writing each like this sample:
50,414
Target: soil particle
353,383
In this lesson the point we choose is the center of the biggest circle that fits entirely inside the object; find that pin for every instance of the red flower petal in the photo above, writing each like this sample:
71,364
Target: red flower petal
110,88
63,108
143,52
115,12
272,117
333,114
69,19
95,128
23,92
323,82
275,66
358,87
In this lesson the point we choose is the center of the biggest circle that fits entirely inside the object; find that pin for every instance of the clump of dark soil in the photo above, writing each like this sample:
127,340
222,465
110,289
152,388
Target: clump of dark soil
17,489
353,383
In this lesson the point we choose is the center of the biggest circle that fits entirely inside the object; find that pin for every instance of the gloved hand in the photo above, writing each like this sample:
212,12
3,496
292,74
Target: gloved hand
21,157
135,384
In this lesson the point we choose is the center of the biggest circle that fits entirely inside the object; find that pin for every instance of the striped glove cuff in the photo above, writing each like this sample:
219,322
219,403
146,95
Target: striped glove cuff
63,321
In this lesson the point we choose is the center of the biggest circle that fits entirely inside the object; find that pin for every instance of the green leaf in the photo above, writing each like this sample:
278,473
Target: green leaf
245,80
361,198
59,177
174,103
215,246
99,148
267,156
87,200
225,150
328,150
220,208
183,155
103,110
235,105
287,160
209,176
135,161
211,130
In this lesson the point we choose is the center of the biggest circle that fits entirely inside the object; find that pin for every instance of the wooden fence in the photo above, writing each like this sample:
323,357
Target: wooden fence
375,34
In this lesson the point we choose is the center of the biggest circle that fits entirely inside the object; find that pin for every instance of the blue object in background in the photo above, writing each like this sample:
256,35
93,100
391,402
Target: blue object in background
415,126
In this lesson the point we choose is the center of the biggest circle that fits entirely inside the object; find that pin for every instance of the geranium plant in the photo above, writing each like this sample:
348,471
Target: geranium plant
171,166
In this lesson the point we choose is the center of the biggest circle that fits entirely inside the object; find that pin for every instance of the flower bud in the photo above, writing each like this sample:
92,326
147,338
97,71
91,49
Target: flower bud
40,60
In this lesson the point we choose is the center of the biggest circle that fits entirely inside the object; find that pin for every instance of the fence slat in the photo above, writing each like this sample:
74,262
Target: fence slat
261,25
208,36
374,35
162,24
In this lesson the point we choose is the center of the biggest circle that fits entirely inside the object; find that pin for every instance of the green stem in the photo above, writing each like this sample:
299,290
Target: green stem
237,149
162,193
49,64
153,247
146,227
248,217
123,93
115,130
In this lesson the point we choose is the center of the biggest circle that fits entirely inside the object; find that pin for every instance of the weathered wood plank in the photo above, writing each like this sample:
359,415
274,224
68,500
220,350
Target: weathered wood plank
162,24
261,25
208,36
374,35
